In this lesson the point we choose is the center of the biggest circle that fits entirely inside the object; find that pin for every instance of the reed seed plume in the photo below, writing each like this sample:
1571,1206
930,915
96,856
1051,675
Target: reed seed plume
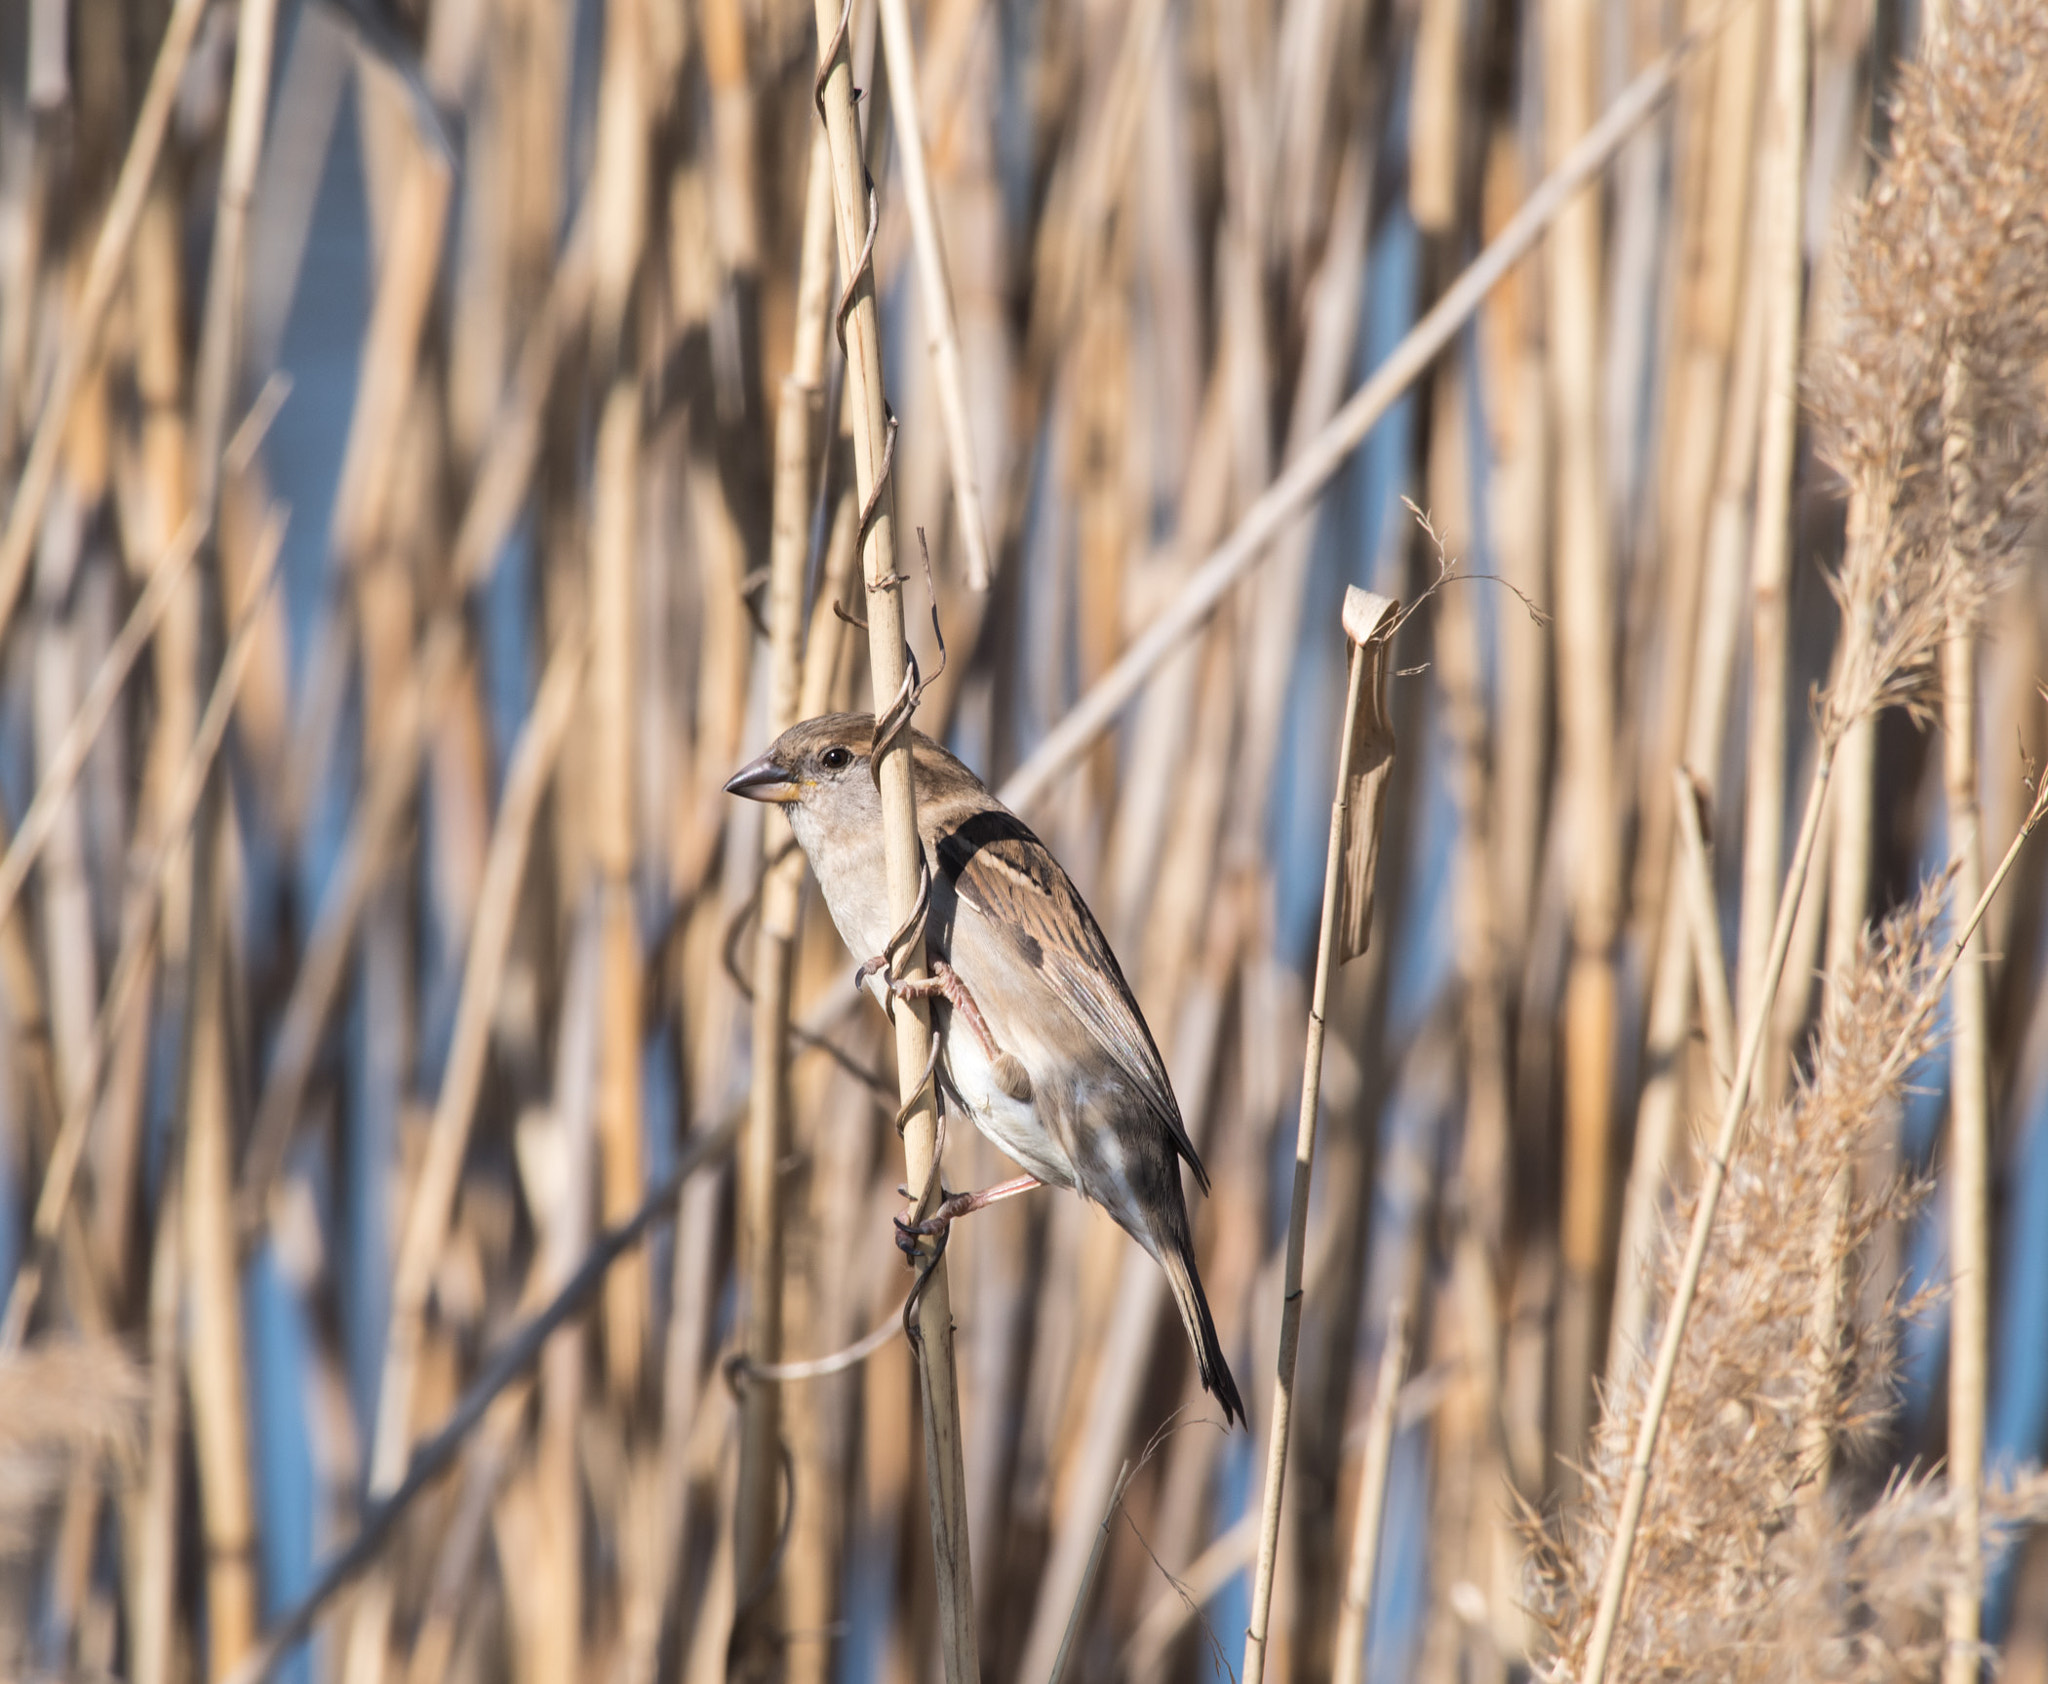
1929,399
62,1403
1719,1556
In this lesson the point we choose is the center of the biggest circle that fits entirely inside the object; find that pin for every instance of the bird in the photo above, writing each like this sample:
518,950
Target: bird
1044,1046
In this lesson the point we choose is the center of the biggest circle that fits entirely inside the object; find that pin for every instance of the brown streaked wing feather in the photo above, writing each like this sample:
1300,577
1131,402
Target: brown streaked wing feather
1006,874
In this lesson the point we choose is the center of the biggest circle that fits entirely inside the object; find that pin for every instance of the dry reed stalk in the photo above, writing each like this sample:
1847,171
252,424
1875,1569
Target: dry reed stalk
214,1353
435,1184
614,534
1892,604
758,1498
556,1155
80,344
1715,135
1723,1576
1080,1608
935,286
1511,351
152,1609
1781,169
217,365
61,769
1703,920
620,189
945,1470
504,475
1347,900
1123,1369
1332,325
373,827
1969,1160
1586,717
1354,1624
1671,997
1320,458
507,1364
131,965
1615,1579
1478,1200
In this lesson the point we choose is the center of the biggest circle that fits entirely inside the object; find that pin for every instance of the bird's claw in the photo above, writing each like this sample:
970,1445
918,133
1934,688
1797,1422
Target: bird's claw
908,1234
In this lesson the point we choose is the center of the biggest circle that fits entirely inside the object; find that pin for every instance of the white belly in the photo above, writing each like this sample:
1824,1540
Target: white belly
1013,1124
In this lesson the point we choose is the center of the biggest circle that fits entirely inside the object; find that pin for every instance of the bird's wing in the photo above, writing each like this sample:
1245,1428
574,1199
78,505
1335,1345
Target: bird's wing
1033,910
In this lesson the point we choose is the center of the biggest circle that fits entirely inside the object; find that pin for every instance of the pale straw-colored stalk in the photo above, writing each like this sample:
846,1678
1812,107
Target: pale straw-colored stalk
1969,1164
1366,667
759,1499
945,1468
935,286
1779,273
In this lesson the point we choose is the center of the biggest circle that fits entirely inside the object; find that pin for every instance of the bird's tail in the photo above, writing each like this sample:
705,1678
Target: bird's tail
1178,1260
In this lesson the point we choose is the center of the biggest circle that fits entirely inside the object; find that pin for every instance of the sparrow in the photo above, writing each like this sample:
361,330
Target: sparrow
1044,1046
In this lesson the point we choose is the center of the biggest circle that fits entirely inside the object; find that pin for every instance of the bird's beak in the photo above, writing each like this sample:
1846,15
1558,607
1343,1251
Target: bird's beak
763,780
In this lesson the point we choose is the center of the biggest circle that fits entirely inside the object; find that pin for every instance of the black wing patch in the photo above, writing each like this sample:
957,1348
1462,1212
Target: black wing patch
1007,875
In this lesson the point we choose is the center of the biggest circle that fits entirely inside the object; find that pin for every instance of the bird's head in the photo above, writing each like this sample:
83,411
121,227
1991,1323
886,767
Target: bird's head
818,768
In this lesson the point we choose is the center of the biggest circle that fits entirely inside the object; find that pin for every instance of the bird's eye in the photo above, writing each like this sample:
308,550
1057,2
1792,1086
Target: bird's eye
835,759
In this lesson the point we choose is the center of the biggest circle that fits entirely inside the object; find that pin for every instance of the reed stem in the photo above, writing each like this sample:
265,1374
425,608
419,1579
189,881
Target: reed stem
945,1464
1257,1632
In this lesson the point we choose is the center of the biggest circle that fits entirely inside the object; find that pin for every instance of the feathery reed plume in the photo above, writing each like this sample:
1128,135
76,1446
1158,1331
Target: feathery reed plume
1942,334
62,1401
1717,1550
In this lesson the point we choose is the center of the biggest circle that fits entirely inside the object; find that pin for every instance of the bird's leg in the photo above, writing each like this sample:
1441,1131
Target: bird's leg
944,983
957,1205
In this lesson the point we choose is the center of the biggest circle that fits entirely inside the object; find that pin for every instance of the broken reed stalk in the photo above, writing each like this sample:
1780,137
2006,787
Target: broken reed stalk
1969,1166
1348,865
80,341
758,1501
1326,452
903,853
1354,1618
935,285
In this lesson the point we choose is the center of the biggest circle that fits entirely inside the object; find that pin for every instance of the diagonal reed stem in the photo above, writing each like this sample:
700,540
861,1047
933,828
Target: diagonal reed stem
1321,457
1614,1582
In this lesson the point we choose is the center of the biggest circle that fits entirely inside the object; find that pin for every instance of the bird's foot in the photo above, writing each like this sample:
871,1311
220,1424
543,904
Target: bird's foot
955,1205
944,983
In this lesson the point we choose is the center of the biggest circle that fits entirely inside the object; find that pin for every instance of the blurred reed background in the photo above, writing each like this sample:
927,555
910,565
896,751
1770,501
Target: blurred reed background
430,472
